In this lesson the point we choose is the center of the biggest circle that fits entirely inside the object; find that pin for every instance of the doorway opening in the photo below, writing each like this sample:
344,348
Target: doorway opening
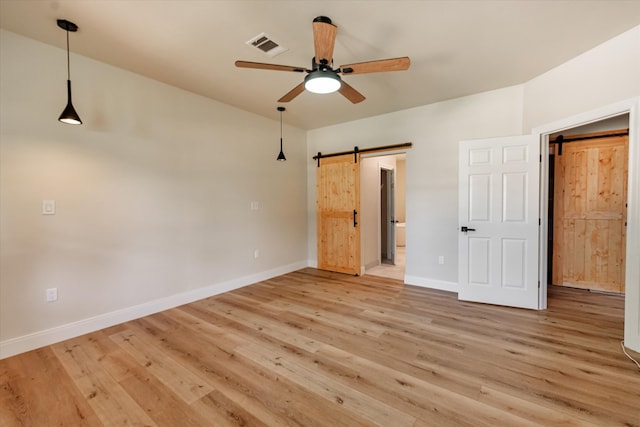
624,114
587,199
387,217
383,215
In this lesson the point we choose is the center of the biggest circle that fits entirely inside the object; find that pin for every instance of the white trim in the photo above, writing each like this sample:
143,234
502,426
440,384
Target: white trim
39,339
431,283
384,153
382,166
632,272
544,223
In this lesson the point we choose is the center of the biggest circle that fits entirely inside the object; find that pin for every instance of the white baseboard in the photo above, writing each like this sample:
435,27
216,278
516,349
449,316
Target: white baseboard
39,339
431,283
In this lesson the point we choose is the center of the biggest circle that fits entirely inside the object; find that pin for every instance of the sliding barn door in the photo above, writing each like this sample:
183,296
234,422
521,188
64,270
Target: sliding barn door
498,219
338,207
590,194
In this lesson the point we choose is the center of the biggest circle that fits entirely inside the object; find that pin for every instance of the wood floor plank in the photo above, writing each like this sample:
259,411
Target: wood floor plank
241,385
35,390
184,383
265,325
406,392
319,349
111,403
375,411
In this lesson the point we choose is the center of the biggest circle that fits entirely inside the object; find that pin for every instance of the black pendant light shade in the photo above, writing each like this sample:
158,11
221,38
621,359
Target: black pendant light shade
281,156
69,114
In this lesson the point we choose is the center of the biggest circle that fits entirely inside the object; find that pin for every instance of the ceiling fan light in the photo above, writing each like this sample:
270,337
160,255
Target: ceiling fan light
320,81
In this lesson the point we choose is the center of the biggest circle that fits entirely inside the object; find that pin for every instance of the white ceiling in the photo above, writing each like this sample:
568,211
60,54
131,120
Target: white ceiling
456,47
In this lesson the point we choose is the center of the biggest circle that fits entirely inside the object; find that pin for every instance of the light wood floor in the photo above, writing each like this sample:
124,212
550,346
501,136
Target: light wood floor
391,271
312,348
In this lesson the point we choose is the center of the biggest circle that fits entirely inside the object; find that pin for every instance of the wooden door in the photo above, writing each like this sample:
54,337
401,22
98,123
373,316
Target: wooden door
338,207
590,195
499,187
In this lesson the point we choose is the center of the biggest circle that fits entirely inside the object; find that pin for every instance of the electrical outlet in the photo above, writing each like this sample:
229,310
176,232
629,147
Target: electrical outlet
256,253
255,206
52,294
48,207
441,259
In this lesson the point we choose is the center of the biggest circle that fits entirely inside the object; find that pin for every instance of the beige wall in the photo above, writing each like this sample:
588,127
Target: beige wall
604,75
401,183
152,193
431,170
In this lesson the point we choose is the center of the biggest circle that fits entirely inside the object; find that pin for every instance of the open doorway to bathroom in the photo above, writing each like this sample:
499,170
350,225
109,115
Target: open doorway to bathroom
383,232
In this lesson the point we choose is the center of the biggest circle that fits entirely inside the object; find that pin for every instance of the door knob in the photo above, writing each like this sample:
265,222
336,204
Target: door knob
465,229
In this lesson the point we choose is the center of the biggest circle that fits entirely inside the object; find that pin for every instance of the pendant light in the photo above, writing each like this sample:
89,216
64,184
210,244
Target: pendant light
69,114
281,156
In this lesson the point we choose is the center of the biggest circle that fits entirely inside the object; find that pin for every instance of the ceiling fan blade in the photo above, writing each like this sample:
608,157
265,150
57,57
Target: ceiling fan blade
263,66
350,93
292,93
394,64
324,39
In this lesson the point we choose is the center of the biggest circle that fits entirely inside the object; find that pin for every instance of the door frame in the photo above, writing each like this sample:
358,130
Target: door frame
632,270
390,205
614,141
381,154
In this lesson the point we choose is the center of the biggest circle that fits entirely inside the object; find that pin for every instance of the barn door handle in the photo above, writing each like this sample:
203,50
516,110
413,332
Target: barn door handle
465,229
355,212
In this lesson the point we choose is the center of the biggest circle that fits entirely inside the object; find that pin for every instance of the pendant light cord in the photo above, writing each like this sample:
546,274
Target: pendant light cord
281,156
68,67
281,129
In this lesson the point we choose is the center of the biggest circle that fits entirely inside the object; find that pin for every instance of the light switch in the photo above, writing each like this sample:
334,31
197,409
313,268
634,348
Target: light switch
52,294
48,207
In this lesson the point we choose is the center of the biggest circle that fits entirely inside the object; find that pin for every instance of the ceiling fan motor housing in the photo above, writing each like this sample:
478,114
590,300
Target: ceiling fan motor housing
323,19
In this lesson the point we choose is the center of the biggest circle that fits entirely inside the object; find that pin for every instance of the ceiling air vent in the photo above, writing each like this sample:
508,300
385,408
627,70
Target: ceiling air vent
266,45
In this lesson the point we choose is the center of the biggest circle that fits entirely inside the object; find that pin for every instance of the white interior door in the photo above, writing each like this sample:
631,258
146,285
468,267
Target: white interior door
499,206
391,215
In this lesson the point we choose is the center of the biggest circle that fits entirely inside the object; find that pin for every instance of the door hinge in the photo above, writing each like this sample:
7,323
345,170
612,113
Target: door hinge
540,158
539,221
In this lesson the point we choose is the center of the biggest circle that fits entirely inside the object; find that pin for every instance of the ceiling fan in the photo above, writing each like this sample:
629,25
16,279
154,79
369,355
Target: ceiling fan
322,77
